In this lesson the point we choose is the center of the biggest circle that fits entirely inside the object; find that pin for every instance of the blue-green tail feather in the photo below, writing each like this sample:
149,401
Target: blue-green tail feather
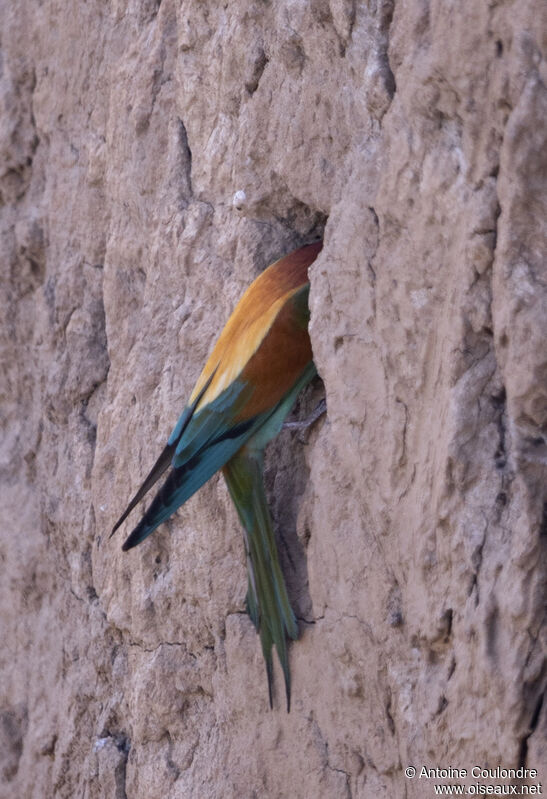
267,602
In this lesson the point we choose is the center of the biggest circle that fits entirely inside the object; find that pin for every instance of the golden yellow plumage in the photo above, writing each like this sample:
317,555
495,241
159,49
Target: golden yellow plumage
251,322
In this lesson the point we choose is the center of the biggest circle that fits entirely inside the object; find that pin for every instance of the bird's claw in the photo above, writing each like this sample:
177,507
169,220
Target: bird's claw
318,411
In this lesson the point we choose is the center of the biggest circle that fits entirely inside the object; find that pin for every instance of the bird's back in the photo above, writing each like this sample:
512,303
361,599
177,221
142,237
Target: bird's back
263,303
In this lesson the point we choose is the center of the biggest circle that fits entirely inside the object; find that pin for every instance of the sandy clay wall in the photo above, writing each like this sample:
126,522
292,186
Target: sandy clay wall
411,133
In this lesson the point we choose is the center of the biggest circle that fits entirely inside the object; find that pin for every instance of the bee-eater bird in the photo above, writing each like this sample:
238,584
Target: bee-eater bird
258,366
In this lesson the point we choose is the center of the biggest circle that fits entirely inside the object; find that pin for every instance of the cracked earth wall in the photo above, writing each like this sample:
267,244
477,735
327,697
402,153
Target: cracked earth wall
412,516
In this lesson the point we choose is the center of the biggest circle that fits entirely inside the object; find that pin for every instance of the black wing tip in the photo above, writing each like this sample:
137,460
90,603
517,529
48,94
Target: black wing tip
132,540
141,531
122,518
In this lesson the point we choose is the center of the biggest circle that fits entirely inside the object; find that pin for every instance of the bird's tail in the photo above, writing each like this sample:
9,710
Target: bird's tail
267,600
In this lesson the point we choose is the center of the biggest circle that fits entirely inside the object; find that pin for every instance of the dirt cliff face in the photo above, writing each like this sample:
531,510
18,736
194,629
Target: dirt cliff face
412,517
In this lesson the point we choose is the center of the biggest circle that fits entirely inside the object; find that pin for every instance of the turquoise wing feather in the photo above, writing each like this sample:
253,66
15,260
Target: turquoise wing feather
208,439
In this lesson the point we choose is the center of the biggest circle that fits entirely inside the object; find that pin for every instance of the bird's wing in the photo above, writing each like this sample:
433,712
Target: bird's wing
164,459
201,462
212,441
154,475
